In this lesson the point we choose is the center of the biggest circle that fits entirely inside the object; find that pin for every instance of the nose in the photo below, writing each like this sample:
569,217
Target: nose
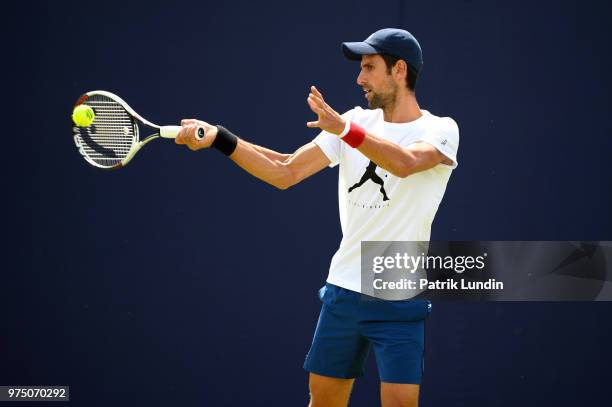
360,80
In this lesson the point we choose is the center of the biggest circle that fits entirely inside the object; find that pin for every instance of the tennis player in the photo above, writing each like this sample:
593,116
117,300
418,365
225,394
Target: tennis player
395,162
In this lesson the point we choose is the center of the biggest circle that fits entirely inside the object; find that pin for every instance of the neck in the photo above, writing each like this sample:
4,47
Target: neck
403,109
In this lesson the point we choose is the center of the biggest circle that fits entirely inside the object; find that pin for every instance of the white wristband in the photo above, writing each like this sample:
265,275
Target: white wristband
347,127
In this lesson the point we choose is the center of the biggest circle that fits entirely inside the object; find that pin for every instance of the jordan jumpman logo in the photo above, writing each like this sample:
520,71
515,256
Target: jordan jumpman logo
370,174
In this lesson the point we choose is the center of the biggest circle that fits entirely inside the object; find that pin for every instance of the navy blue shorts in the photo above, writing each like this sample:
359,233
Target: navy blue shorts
349,325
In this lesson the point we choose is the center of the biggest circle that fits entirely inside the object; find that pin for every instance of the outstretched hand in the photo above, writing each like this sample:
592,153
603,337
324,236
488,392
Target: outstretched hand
327,118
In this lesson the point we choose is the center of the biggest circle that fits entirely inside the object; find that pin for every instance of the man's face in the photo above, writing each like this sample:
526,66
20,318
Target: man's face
379,86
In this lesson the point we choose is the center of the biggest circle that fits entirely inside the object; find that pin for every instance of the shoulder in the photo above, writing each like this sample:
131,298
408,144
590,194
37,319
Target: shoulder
446,125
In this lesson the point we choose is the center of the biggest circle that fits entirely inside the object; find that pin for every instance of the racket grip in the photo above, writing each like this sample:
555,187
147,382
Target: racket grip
169,131
172,131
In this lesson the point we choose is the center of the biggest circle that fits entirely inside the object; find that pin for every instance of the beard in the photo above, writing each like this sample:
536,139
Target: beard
382,100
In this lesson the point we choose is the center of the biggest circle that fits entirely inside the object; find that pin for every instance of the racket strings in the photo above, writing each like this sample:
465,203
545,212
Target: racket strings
111,136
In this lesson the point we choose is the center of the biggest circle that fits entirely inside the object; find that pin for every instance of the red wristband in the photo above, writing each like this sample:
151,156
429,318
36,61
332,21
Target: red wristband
355,136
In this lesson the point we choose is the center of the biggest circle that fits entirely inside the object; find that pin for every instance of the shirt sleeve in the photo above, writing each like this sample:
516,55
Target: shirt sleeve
330,143
445,138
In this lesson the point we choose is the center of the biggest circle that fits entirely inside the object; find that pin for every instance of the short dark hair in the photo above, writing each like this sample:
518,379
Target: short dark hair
411,77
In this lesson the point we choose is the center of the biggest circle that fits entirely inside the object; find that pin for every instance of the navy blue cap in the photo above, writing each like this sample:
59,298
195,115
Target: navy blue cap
391,41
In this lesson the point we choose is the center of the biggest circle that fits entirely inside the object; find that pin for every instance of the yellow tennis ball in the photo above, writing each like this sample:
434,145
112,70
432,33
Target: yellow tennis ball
83,115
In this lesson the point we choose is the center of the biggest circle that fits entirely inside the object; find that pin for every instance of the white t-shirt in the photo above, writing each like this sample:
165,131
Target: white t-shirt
381,206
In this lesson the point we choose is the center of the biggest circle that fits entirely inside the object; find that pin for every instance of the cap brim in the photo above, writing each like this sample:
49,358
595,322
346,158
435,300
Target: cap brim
354,50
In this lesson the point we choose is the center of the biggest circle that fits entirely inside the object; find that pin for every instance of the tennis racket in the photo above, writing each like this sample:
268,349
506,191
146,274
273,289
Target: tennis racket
113,138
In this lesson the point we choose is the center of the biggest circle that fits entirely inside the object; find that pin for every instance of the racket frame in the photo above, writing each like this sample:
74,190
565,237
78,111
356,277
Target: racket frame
162,131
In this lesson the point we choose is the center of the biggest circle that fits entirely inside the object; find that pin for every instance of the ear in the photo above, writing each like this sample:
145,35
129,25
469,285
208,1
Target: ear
400,71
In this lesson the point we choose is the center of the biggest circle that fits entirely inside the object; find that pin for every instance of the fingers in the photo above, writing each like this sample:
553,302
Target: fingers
315,106
318,97
182,136
316,100
314,90
190,134
318,111
318,106
187,135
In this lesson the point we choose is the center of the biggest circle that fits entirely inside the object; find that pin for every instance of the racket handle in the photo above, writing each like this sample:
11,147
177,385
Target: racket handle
172,131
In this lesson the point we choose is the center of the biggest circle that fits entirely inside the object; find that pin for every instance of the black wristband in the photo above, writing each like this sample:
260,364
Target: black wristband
226,141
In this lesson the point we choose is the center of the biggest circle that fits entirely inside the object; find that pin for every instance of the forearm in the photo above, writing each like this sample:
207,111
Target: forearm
279,170
271,154
267,165
402,161
388,155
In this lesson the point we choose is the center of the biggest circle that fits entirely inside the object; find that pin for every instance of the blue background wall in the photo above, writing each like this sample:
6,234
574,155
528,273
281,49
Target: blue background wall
130,286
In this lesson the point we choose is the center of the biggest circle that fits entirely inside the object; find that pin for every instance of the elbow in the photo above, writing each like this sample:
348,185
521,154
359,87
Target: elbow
287,180
406,167
403,171
283,185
